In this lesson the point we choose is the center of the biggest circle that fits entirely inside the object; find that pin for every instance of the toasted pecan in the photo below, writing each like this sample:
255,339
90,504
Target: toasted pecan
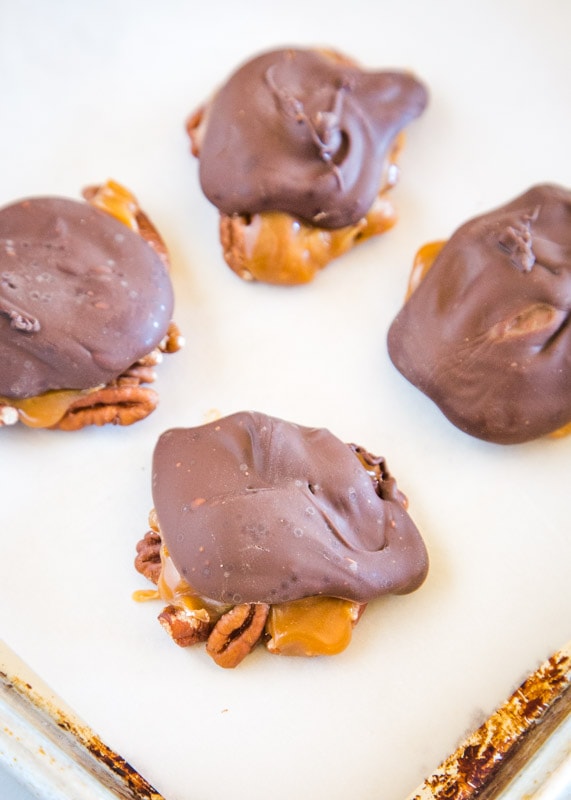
118,405
148,560
173,340
185,627
237,633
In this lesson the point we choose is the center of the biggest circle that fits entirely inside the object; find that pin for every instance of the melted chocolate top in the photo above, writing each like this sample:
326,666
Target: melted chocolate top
486,334
255,509
301,132
82,297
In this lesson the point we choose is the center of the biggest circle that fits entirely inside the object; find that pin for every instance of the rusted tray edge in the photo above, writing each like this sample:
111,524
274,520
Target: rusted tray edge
48,746
487,763
51,750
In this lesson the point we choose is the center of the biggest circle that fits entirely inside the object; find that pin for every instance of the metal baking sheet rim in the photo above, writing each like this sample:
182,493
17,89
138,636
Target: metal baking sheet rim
523,750
50,750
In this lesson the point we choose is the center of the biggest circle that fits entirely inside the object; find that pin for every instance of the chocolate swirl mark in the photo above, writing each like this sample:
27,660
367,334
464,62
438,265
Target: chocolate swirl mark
517,242
527,251
324,128
19,320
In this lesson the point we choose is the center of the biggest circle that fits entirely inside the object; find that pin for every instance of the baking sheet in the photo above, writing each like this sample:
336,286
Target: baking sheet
522,750
50,751
91,91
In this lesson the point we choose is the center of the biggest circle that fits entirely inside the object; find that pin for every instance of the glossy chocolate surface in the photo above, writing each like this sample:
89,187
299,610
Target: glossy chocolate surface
302,132
486,334
82,297
256,509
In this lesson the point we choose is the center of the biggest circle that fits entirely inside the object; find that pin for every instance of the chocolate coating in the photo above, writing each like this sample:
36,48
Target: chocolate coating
82,297
486,334
305,133
255,509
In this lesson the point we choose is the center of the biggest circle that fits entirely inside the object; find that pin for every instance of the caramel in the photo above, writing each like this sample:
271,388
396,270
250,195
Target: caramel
423,260
273,531
143,595
296,151
117,201
47,409
565,430
312,626
175,590
280,249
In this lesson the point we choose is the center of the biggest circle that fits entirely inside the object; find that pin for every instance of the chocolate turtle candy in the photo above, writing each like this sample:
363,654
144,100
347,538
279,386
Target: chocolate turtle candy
486,332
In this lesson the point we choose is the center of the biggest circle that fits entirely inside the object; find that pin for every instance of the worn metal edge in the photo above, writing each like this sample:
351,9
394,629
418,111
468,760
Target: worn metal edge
488,761
547,776
51,750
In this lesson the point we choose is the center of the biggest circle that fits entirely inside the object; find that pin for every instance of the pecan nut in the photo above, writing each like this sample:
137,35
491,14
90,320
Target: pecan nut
236,633
118,405
148,559
151,359
137,374
151,235
186,627
173,340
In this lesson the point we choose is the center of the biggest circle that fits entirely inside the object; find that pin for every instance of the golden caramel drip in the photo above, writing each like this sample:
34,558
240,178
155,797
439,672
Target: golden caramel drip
173,589
278,248
117,201
45,410
313,626
144,595
281,249
565,430
423,261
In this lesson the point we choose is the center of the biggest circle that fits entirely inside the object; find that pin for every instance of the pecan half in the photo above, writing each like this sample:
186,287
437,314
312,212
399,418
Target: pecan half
151,359
118,405
173,340
137,374
236,633
148,231
186,627
142,370
148,559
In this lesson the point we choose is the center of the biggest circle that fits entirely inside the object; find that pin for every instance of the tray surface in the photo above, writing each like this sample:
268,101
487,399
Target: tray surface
97,91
